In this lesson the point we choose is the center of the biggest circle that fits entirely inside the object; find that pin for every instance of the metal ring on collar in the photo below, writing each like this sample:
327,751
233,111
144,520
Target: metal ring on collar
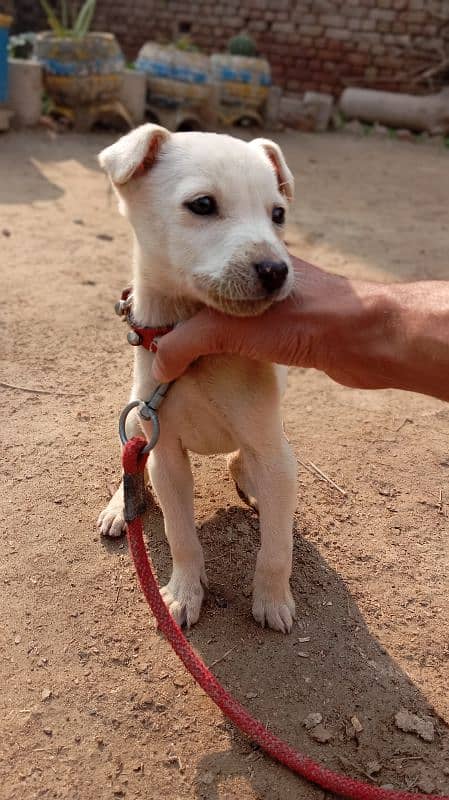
149,415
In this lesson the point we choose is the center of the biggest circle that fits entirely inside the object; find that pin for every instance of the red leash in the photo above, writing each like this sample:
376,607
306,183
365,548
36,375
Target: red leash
133,464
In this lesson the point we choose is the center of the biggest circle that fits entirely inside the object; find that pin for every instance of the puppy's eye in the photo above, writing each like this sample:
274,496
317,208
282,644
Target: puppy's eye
203,206
278,215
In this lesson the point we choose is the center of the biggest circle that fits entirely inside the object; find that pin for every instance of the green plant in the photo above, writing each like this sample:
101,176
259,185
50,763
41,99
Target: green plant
186,44
72,22
242,45
21,45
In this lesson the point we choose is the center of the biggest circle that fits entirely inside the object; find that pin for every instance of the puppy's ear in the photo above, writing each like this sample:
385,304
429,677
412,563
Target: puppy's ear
133,154
275,155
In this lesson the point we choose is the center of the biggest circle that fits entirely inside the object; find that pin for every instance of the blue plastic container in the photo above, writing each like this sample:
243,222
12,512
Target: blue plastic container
4,30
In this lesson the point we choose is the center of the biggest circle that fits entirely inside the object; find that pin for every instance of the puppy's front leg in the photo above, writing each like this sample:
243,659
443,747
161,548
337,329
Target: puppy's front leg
172,480
274,475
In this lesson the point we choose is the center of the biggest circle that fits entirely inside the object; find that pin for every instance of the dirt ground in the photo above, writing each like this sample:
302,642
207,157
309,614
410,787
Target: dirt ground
94,705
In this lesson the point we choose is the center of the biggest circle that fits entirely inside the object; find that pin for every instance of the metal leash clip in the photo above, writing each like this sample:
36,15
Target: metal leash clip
148,412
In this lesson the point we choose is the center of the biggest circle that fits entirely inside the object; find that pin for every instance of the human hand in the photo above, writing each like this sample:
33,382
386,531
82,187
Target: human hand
364,335
302,330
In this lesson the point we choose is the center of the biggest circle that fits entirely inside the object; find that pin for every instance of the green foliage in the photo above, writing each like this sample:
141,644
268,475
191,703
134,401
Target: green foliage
69,23
242,45
186,44
21,45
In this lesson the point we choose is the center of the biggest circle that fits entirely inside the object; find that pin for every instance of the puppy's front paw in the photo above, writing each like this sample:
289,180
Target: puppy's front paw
273,605
111,521
183,596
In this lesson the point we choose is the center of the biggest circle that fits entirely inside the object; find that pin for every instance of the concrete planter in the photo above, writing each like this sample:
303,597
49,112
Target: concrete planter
79,72
175,75
25,90
133,94
243,81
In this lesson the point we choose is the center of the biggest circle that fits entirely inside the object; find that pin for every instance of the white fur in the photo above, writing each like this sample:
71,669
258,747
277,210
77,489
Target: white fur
222,404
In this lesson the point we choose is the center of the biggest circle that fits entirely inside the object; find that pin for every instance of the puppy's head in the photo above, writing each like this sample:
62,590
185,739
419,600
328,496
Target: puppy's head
208,214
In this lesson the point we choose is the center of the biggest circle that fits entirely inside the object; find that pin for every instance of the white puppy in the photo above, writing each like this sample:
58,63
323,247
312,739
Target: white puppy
207,213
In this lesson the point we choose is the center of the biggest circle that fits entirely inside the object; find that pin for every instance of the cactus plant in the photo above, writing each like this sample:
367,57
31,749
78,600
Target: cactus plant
242,45
80,22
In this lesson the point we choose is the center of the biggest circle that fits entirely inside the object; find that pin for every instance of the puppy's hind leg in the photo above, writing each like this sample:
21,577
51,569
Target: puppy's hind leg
274,473
242,479
172,480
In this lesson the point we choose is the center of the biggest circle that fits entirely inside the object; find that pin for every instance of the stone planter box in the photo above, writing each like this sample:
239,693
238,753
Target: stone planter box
25,90
82,71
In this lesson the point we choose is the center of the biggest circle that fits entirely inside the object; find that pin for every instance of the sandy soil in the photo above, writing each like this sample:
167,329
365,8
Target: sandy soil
93,704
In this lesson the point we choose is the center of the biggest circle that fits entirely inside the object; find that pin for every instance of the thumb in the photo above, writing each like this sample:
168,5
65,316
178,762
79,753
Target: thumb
196,337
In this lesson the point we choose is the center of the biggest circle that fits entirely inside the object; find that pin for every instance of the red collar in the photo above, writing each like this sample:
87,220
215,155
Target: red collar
144,336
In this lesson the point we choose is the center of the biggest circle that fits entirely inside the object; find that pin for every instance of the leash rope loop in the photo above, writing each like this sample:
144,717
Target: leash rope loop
134,460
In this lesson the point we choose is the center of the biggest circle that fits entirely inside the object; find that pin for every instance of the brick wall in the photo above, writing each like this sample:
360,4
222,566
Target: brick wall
323,45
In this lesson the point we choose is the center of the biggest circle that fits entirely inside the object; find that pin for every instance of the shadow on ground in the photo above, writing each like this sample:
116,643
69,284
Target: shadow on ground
329,657
43,147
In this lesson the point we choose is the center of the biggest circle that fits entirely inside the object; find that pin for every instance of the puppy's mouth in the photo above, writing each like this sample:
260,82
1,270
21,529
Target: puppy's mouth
237,301
239,307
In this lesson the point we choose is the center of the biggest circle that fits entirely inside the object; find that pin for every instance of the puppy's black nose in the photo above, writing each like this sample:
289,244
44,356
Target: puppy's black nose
272,274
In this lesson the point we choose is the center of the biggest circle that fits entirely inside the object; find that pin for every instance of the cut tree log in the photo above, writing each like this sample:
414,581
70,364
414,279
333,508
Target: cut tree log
417,113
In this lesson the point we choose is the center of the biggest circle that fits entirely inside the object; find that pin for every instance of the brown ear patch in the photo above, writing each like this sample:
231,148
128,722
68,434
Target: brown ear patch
283,185
150,157
286,182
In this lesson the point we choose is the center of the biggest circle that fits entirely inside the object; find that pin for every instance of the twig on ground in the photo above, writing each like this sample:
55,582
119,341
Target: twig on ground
440,503
117,594
311,467
40,391
404,422
346,762
225,655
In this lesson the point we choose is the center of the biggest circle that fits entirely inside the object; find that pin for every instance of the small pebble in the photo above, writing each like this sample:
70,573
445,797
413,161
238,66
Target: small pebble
6,232
105,237
321,734
46,694
312,720
411,723
48,731
356,724
251,695
17,640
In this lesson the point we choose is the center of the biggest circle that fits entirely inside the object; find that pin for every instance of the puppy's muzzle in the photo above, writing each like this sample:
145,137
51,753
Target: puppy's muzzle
272,274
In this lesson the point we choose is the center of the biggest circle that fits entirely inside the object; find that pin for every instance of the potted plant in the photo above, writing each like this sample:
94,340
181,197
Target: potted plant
244,81
81,67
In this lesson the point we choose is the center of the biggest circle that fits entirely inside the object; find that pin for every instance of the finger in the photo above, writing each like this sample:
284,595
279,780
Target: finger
176,350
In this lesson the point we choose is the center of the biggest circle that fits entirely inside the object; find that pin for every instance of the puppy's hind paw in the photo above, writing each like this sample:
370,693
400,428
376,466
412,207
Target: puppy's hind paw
277,614
250,501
